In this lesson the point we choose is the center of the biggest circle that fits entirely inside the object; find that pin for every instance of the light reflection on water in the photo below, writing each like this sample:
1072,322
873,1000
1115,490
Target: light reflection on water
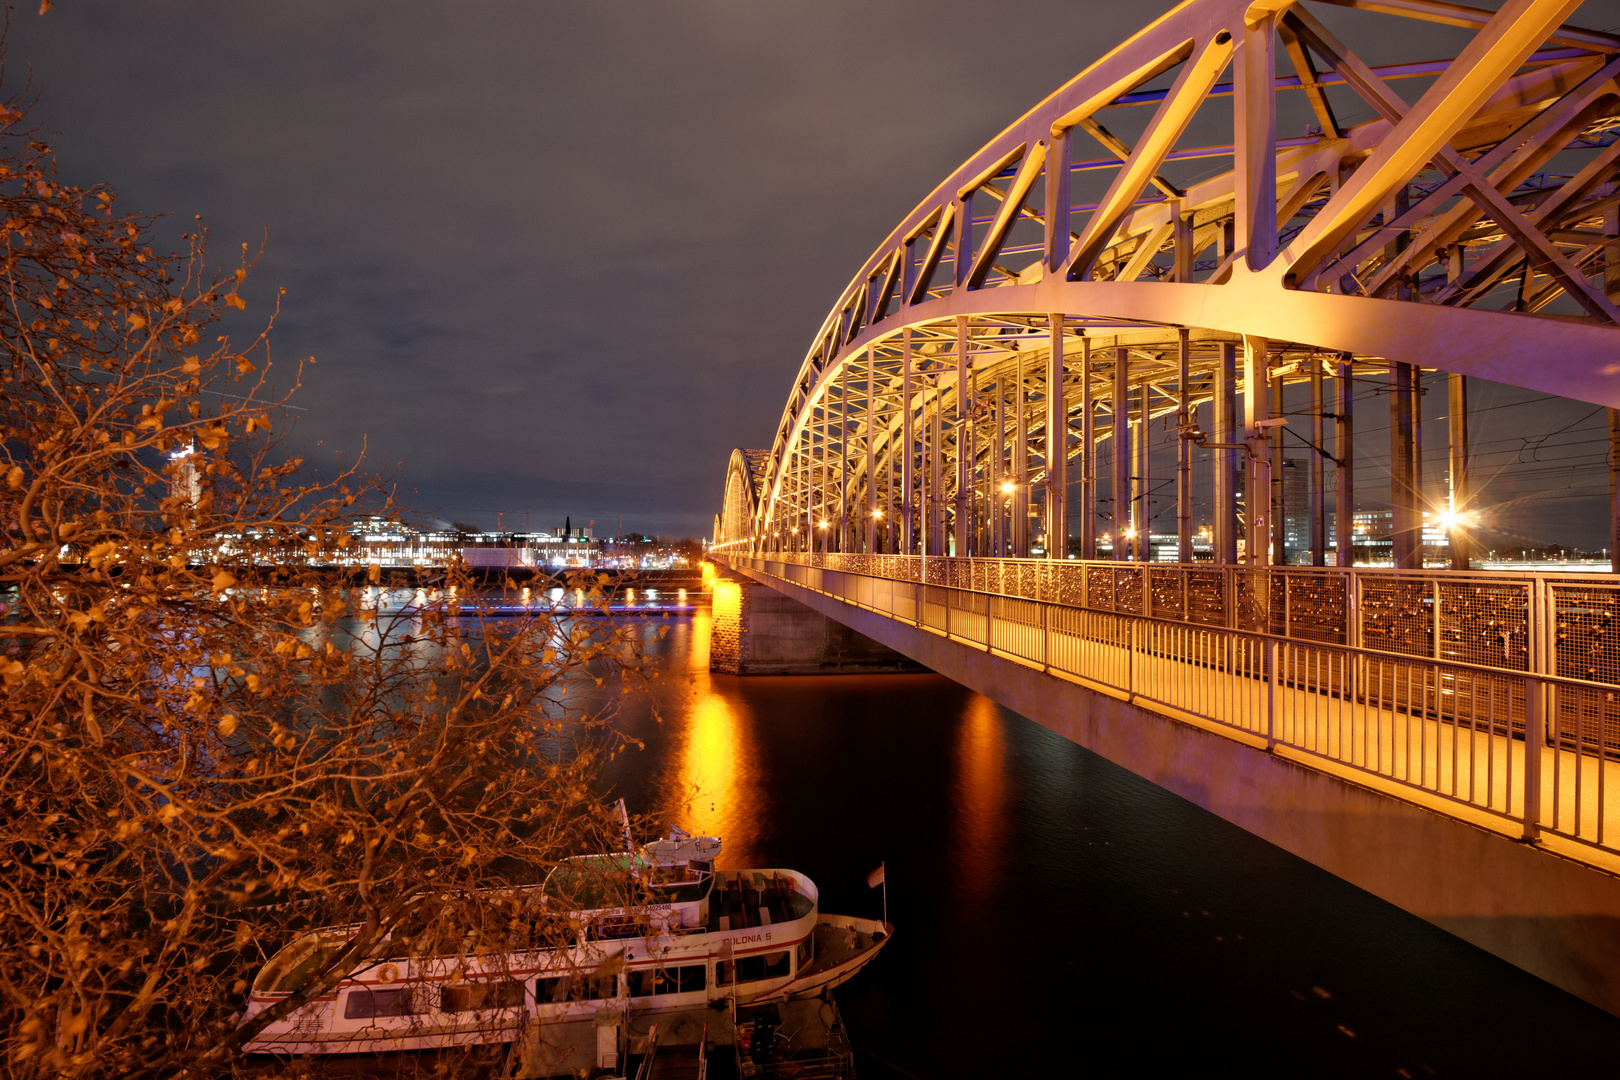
702,765
979,817
717,781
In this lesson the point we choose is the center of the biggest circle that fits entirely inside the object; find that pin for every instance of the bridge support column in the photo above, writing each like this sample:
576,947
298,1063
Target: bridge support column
1184,419
1256,401
870,507
1344,474
997,502
1057,445
1458,537
1224,427
844,492
1279,473
1318,509
908,449
1088,455
1121,432
1020,468
1406,537
1142,501
964,445
936,474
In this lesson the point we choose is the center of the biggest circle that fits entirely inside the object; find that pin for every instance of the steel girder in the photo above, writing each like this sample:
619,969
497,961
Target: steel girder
1436,234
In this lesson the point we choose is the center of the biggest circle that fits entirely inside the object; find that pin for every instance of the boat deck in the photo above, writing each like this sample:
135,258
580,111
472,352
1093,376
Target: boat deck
747,898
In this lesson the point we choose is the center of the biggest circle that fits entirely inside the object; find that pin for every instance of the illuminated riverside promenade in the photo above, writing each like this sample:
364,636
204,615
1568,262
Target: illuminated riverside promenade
998,379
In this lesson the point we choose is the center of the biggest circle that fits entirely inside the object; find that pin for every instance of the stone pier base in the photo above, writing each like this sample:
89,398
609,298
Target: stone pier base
758,631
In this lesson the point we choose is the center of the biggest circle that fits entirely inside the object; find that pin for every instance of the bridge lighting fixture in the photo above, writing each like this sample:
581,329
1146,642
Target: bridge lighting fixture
823,524
1009,487
877,513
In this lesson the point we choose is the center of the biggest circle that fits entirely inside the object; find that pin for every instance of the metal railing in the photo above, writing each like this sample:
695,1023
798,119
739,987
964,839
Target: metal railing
1512,742
1554,624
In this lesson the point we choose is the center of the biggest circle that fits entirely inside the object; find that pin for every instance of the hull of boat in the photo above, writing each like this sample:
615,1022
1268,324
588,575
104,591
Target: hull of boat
325,1026
870,936
816,952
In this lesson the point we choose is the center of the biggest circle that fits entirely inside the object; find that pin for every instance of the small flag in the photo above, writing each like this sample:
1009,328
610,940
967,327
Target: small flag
875,878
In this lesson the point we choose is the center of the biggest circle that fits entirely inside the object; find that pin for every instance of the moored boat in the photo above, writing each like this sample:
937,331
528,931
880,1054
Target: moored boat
704,937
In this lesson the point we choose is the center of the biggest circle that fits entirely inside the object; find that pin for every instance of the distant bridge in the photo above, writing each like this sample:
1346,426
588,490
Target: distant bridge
986,389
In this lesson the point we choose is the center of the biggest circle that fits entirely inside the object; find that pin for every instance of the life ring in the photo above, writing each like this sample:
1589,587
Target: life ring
387,973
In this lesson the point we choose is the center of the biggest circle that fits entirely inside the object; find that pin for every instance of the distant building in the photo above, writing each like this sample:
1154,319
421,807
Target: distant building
1296,493
187,483
1372,537
372,528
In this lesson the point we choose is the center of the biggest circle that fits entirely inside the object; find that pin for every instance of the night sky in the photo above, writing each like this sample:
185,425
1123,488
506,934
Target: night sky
561,257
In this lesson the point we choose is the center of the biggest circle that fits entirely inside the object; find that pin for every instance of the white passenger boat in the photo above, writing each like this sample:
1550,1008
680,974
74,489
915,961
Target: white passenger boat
705,938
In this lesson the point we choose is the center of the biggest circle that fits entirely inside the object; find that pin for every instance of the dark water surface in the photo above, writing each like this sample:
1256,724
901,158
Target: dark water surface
1058,916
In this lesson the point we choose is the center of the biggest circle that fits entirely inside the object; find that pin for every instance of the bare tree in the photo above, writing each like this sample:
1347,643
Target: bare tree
212,738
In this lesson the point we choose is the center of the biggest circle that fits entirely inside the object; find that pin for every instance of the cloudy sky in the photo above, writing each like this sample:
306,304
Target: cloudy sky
553,256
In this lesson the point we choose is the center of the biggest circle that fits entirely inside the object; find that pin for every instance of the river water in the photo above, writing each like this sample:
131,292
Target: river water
1056,915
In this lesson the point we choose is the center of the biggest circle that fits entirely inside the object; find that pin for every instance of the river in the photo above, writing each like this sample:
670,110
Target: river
1056,915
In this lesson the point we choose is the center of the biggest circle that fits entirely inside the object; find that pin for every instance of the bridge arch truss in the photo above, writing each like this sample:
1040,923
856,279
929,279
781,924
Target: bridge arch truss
1073,307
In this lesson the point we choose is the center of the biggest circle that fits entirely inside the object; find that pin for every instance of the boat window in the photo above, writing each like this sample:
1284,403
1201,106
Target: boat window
753,968
365,1002
802,961
560,988
645,982
505,994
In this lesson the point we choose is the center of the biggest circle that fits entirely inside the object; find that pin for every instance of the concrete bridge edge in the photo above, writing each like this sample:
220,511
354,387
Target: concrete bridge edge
1553,917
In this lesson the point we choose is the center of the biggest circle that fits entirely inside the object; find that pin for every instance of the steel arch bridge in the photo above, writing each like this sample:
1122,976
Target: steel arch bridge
989,381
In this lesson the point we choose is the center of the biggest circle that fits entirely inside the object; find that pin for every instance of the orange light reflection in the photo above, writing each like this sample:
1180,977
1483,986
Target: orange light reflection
980,804
717,787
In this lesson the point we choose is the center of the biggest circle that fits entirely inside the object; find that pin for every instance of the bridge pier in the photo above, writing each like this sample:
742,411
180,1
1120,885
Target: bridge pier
758,631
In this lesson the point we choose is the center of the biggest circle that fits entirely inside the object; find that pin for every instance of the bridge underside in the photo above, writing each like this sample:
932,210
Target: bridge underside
1550,915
